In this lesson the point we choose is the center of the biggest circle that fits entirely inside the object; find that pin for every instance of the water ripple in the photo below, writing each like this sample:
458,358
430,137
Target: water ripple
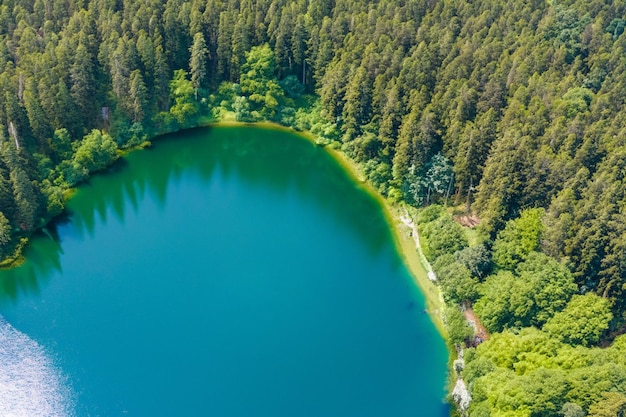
30,384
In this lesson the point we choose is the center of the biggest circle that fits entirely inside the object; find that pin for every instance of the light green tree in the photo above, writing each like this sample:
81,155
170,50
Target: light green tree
519,237
439,177
572,410
458,328
96,151
259,82
182,93
583,321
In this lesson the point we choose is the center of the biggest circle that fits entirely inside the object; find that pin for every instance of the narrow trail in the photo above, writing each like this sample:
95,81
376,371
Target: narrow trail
481,334
408,221
460,394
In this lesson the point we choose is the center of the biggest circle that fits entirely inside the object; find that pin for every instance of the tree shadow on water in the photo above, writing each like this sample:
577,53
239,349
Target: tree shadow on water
275,161
43,259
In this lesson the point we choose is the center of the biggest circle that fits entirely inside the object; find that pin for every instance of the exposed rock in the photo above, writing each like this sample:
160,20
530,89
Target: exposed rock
461,396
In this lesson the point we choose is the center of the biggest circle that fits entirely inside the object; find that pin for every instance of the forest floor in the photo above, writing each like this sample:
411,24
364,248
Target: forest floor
467,220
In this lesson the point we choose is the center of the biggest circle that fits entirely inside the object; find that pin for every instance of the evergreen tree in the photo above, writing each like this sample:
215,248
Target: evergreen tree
83,82
198,62
138,97
5,233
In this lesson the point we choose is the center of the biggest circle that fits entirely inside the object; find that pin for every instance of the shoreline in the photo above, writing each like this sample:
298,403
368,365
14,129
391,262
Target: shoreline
402,228
408,248
406,243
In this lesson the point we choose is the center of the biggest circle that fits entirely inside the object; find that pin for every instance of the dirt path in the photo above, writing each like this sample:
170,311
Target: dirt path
408,221
480,332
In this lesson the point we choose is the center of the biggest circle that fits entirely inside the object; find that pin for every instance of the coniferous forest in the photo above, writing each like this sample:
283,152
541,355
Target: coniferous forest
512,112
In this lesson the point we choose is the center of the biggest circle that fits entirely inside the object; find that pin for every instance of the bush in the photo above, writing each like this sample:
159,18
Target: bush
442,236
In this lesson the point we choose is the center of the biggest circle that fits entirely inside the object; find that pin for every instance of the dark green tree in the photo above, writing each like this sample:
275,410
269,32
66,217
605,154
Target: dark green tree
198,62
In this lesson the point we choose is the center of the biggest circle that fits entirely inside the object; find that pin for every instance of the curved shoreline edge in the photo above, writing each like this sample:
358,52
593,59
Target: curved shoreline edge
407,247
406,242
395,215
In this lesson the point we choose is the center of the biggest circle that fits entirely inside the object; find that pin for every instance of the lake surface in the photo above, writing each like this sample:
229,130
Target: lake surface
224,272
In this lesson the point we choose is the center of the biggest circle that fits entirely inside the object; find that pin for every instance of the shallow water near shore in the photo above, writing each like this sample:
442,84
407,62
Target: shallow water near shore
225,272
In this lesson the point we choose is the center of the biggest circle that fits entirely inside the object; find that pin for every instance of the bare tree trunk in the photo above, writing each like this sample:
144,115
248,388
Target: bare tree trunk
20,88
449,187
469,196
13,132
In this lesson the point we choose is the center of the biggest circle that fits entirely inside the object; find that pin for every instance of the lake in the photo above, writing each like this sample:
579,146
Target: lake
225,272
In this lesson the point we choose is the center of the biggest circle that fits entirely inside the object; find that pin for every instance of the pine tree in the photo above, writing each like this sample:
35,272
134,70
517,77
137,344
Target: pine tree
5,232
198,62
358,100
138,97
83,81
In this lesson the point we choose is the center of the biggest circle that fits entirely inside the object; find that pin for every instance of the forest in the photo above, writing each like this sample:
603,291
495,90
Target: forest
512,112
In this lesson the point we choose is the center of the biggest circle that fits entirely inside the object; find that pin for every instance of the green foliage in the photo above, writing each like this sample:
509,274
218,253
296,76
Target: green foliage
442,236
612,405
518,239
96,151
583,321
552,283
310,118
457,283
439,176
55,202
292,86
576,100
61,144
259,83
476,259
430,213
541,288
507,372
198,61
182,93
505,301
572,410
458,328
524,102
241,106
378,174
5,233
138,103
540,392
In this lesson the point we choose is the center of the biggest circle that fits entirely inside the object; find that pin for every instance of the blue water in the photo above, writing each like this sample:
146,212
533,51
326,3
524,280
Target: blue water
228,272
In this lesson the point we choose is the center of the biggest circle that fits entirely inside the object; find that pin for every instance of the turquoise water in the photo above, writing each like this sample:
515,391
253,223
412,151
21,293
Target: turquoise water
226,272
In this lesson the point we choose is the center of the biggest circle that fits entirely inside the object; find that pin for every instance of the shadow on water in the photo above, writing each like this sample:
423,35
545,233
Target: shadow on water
274,160
43,259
